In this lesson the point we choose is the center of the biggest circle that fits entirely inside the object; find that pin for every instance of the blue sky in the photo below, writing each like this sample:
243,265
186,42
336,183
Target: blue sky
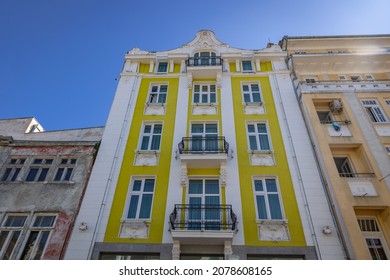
59,58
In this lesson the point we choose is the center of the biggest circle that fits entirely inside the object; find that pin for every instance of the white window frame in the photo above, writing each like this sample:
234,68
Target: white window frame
256,133
12,170
33,250
249,62
205,90
373,232
374,111
11,231
154,96
43,169
139,193
342,78
65,170
250,92
265,194
369,77
355,78
158,67
150,134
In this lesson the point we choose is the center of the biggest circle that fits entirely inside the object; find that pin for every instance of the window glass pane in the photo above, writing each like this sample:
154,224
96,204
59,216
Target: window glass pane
15,221
157,128
212,88
252,143
259,185
16,173
196,98
43,174
11,245
29,245
146,206
147,129
145,143
256,97
212,187
68,174
195,187
247,97
6,174
271,185
133,207
262,128
261,210
163,88
32,174
245,88
264,143
197,128
251,128
197,88
37,161
59,173
212,98
41,245
204,98
255,88
274,206
149,185
162,98
137,185
155,142
211,128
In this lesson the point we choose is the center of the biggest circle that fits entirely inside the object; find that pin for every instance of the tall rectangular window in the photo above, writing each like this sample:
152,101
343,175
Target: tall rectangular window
12,169
267,198
258,137
151,137
374,238
251,93
38,237
374,111
204,137
140,198
39,170
65,169
10,232
158,94
205,93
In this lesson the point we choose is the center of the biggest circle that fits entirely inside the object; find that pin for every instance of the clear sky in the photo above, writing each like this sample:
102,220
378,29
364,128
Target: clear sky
59,58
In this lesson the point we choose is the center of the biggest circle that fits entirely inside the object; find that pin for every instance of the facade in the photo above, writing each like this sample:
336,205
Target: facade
43,176
343,88
198,161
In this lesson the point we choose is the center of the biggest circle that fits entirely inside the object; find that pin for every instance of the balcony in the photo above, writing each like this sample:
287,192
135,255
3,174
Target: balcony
343,86
203,152
204,67
203,223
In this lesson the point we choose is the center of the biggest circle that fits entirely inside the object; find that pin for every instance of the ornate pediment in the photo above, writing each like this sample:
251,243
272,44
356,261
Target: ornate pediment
205,39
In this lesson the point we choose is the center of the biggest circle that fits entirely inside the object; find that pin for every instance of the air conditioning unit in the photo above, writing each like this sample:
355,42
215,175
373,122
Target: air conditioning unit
336,106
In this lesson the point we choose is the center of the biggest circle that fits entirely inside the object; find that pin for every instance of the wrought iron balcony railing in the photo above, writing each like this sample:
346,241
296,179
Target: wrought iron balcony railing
203,145
219,217
204,61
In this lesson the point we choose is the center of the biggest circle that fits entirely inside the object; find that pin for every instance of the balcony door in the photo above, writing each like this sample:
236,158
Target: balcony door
204,137
205,58
204,204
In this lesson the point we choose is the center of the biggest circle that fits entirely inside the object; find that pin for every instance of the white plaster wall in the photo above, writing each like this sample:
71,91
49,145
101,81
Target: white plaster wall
98,197
305,175
174,187
232,190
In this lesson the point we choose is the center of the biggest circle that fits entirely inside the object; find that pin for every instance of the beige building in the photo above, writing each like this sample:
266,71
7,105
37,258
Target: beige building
343,87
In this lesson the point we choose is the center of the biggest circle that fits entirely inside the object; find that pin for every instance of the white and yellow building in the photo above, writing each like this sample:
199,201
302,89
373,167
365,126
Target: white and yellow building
198,161
343,87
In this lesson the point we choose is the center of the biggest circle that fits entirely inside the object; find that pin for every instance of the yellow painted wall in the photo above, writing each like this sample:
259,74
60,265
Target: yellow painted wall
161,171
247,171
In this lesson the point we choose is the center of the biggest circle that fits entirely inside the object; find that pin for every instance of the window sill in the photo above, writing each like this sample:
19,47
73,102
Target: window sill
147,152
260,152
272,222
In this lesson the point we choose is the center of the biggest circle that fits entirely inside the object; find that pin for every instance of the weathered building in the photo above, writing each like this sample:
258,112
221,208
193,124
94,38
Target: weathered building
43,176
197,162
342,85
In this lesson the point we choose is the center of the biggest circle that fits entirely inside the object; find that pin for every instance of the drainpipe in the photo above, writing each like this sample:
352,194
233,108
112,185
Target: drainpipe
339,223
113,165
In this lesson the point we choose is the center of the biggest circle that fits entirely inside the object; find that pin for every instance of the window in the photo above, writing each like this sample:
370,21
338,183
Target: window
310,80
151,137
205,58
162,67
204,137
344,167
325,117
12,169
140,199
204,192
258,137
369,77
388,150
374,111
205,94
355,78
342,78
65,170
10,232
158,94
38,236
388,102
374,238
38,170
251,93
247,66
267,198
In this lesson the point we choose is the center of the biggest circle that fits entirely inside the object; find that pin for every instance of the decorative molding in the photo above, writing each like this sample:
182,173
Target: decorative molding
146,158
133,229
265,158
273,230
228,251
154,109
204,109
256,108
176,250
223,174
183,175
